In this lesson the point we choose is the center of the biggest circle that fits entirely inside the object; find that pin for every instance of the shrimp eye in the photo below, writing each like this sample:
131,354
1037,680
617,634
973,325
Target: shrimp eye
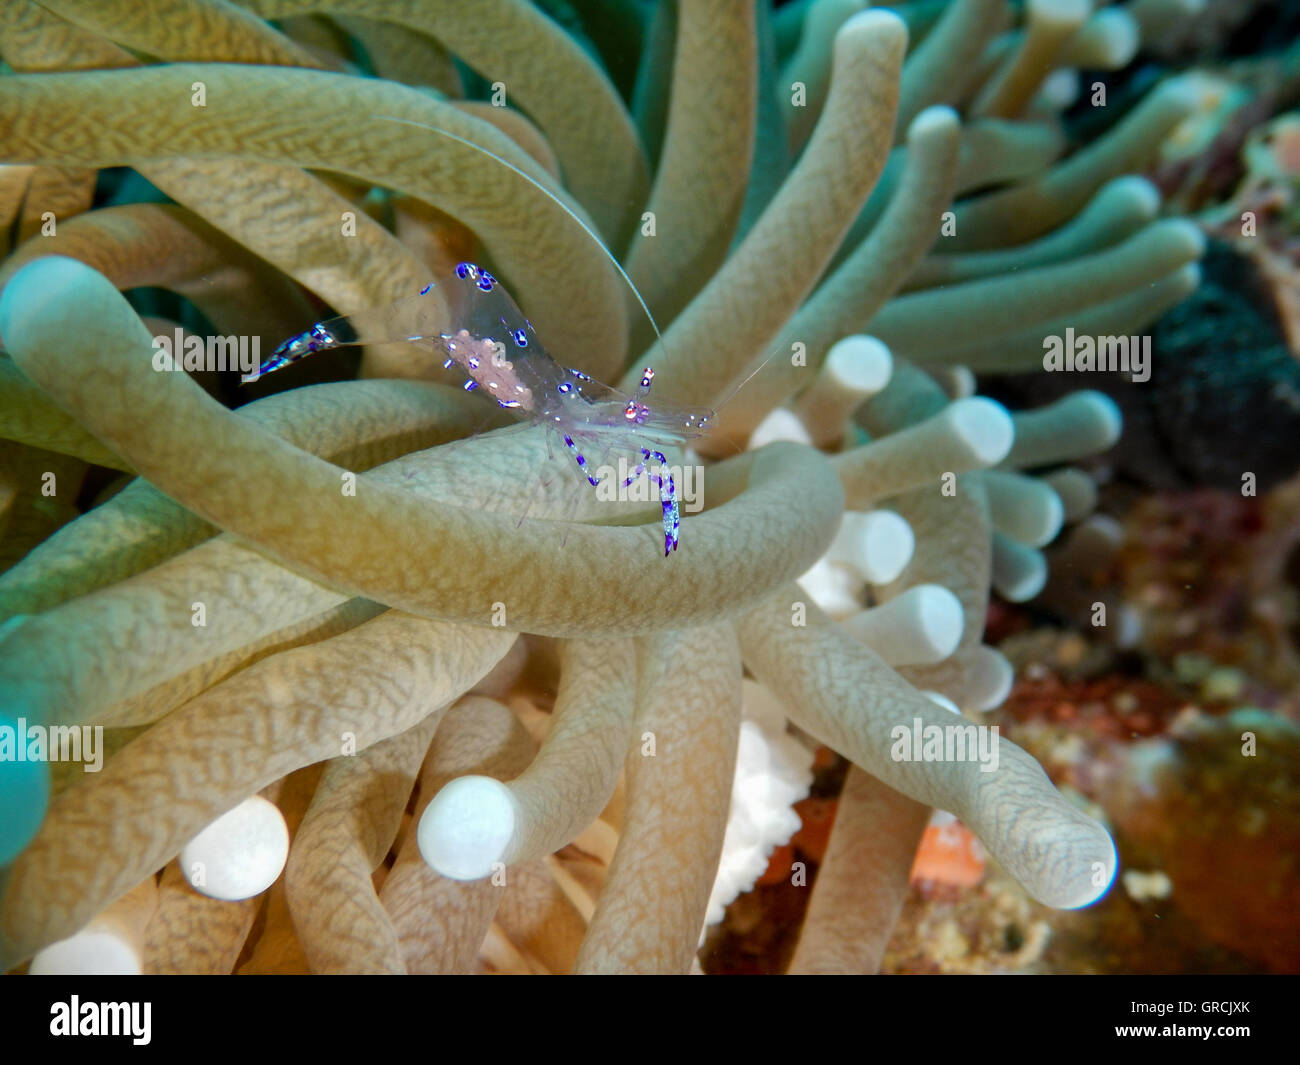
520,337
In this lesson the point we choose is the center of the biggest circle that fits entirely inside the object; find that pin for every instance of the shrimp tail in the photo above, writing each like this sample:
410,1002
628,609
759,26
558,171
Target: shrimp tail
409,320
322,336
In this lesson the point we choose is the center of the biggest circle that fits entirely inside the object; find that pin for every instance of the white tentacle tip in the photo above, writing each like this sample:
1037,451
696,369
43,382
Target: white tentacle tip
90,952
835,587
34,294
1019,572
1060,89
1187,92
877,545
1189,278
1076,490
1102,414
984,428
1070,11
920,627
932,120
860,364
466,830
956,380
1052,519
991,678
240,854
780,424
1185,233
1095,873
1141,191
887,545
938,617
871,22
1046,519
1118,36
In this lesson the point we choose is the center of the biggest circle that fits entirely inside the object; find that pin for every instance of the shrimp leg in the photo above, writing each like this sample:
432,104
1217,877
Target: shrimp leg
672,517
582,461
672,511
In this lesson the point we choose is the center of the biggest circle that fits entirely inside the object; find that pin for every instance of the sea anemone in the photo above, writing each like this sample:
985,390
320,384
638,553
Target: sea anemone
546,710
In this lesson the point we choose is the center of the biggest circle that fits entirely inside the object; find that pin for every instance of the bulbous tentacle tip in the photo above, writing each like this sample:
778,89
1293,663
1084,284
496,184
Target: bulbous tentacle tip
28,293
1096,866
24,790
878,22
936,120
983,426
1069,862
466,831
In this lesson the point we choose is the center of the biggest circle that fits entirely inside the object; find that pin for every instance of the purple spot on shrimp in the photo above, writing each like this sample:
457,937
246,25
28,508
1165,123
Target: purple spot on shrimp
466,270
425,291
521,338
470,386
485,284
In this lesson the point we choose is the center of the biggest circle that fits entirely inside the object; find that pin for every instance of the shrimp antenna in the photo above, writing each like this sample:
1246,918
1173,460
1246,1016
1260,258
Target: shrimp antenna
550,196
745,380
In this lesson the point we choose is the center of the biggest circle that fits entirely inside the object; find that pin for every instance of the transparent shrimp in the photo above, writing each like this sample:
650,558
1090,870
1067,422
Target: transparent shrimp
473,321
